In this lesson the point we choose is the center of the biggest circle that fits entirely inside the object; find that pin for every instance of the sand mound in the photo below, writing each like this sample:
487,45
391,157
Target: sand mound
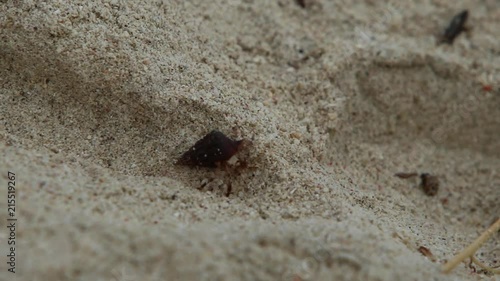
98,100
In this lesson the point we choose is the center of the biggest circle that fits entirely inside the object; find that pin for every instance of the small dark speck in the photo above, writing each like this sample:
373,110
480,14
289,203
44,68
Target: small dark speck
301,3
455,27
430,184
404,175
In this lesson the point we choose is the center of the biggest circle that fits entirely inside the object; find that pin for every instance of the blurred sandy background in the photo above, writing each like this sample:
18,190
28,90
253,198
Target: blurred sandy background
99,98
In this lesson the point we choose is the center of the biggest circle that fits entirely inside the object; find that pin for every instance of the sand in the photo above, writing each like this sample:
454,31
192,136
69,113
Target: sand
98,100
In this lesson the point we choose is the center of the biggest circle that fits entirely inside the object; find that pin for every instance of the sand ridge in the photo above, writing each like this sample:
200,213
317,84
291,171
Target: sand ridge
99,99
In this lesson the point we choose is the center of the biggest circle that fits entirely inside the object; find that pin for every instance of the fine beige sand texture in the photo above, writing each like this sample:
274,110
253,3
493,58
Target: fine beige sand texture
99,98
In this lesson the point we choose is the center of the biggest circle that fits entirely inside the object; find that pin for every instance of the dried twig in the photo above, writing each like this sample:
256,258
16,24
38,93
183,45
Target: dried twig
472,248
485,267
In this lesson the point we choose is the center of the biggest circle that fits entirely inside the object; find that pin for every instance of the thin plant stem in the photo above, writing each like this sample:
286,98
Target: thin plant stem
472,248
485,267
